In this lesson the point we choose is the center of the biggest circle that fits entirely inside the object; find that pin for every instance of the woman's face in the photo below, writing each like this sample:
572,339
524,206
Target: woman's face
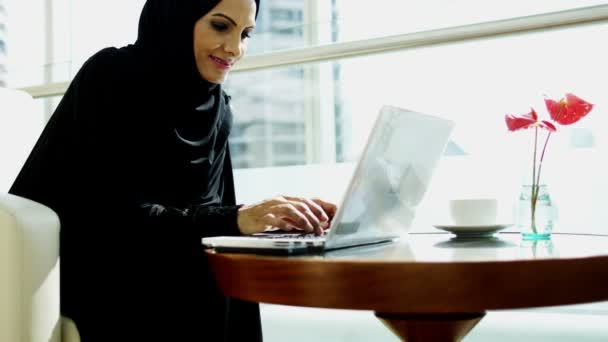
220,38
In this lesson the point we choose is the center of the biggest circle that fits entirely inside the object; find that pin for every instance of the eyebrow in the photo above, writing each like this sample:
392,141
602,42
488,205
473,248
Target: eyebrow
227,18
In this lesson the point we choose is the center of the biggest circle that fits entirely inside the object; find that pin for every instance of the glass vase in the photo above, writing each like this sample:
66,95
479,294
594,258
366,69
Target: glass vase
535,221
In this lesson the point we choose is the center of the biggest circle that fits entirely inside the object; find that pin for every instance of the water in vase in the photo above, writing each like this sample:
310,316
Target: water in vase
546,214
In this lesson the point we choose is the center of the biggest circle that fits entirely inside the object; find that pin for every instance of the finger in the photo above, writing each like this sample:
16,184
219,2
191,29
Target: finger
316,209
327,213
320,231
304,209
329,208
299,220
301,205
283,224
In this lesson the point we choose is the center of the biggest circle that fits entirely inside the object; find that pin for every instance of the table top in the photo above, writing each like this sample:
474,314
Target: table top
427,273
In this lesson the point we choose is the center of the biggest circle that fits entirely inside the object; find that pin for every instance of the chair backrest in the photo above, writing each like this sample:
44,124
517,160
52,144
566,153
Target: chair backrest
20,125
29,271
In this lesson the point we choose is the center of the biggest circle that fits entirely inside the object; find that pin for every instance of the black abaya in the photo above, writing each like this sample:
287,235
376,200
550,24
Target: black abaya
135,161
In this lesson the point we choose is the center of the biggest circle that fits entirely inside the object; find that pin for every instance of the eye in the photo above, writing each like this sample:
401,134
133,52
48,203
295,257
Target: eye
219,26
245,35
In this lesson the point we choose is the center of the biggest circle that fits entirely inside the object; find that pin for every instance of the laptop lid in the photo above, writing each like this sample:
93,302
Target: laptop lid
391,177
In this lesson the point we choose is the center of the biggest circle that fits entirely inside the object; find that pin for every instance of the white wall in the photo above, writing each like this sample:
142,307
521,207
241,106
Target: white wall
19,130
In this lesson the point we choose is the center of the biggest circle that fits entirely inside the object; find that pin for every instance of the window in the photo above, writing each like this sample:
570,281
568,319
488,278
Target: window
61,35
298,103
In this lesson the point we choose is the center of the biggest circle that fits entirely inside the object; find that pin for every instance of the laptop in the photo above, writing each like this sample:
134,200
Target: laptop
390,179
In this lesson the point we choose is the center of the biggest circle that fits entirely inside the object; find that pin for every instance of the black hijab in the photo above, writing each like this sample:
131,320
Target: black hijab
198,113
165,38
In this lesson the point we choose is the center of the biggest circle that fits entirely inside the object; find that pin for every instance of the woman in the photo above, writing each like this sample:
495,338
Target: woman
136,163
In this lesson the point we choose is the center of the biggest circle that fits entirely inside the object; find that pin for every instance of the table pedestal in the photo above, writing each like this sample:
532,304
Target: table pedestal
430,327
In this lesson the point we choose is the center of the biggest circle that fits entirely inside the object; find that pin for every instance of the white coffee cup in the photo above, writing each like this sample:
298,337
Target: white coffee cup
474,211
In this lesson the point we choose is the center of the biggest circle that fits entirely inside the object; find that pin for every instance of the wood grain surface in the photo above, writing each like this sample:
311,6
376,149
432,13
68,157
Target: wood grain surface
390,279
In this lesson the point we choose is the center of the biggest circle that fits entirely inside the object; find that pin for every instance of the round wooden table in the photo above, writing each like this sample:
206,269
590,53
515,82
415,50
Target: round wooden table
427,287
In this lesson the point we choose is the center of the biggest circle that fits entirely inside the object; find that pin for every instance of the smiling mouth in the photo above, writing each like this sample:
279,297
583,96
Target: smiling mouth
220,62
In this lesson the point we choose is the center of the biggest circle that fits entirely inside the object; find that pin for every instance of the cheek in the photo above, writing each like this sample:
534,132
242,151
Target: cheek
205,46
243,49
200,50
201,57
201,54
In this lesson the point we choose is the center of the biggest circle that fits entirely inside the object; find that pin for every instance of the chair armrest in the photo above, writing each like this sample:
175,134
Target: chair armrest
29,271
69,332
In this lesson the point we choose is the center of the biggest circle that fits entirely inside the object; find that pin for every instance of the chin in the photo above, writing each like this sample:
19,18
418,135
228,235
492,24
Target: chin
215,78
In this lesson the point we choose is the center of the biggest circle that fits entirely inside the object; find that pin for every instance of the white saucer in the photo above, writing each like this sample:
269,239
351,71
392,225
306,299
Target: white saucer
473,230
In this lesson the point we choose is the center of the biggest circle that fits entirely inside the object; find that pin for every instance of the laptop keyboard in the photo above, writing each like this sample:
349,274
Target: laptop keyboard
310,236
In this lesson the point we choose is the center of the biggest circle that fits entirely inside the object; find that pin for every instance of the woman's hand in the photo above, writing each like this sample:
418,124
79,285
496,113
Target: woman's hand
286,213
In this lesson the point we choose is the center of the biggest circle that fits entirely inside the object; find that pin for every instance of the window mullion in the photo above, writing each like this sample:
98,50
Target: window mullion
318,84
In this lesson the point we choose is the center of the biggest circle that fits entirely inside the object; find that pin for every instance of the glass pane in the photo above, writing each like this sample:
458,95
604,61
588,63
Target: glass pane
269,117
48,41
279,26
36,42
476,84
91,29
3,45
505,75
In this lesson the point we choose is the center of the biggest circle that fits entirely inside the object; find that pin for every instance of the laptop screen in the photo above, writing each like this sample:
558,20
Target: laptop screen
391,177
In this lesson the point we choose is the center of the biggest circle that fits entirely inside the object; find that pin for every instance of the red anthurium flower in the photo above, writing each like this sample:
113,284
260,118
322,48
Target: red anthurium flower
568,110
565,112
517,122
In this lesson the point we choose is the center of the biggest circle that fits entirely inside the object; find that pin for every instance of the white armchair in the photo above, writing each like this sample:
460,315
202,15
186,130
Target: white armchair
29,237
29,274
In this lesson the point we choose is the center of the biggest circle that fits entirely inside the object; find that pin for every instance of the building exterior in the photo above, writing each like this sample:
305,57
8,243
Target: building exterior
272,107
269,123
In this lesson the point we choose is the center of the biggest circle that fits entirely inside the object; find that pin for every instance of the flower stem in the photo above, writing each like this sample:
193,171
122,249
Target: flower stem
534,190
542,156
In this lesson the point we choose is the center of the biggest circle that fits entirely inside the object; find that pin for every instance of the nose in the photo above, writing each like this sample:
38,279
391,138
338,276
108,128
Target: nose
233,45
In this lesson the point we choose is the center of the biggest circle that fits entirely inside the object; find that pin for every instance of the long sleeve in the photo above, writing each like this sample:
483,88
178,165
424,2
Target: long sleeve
210,220
207,220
